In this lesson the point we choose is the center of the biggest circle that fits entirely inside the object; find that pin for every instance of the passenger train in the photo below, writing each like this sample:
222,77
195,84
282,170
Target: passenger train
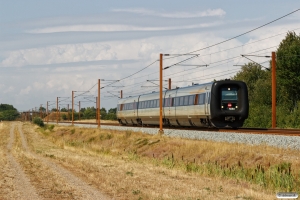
217,104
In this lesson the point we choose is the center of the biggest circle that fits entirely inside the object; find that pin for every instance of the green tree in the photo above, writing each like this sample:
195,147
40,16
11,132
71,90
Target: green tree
89,113
42,109
4,107
63,110
259,94
103,113
251,73
8,112
113,110
288,69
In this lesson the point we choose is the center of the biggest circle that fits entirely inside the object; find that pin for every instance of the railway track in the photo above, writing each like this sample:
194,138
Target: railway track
287,132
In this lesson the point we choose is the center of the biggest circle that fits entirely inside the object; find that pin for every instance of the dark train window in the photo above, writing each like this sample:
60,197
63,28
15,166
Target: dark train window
166,104
175,101
151,104
186,100
181,101
201,99
142,104
208,98
191,99
229,94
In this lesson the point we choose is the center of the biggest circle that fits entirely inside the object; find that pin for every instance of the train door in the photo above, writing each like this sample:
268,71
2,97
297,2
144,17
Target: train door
207,103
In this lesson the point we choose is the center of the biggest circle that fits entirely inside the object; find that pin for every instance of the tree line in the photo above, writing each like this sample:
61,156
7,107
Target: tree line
259,82
87,113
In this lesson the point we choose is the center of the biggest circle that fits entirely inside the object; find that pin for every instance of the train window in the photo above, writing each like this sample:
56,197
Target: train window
177,102
186,100
155,103
142,104
191,99
181,101
201,99
229,94
208,98
172,101
166,104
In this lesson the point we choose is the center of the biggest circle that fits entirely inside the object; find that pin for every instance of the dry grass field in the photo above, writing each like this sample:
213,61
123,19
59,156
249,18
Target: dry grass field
80,163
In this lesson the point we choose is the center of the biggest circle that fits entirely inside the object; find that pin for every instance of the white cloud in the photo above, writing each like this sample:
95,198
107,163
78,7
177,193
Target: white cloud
59,54
25,91
114,28
142,11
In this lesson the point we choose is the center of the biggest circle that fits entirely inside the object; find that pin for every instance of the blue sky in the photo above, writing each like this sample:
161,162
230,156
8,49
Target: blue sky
49,48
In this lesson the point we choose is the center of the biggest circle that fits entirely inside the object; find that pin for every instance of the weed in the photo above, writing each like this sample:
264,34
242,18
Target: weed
169,163
50,127
192,167
133,155
141,142
106,136
135,192
91,139
73,131
129,173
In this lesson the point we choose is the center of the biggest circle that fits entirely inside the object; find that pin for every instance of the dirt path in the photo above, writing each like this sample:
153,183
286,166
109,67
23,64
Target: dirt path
21,186
31,176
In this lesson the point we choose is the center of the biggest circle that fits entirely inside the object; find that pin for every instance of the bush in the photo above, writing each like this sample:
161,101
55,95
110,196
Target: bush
38,121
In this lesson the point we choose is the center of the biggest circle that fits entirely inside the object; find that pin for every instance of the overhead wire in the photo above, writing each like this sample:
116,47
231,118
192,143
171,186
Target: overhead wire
220,43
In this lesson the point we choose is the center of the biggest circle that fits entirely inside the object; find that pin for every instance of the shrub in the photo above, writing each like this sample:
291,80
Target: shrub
38,121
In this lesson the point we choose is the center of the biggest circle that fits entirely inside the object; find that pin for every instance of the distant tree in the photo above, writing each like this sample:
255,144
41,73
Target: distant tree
9,115
8,112
103,113
63,110
89,113
42,109
251,73
4,107
64,117
112,110
288,69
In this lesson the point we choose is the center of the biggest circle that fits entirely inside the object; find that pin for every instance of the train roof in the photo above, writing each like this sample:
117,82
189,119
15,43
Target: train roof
154,92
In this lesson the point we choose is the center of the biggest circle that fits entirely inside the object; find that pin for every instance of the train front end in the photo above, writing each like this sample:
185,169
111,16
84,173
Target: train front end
229,104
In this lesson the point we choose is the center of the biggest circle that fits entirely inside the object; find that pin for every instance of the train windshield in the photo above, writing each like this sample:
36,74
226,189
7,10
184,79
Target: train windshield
229,94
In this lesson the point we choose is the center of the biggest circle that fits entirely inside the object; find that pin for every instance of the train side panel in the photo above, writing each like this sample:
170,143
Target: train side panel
127,110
